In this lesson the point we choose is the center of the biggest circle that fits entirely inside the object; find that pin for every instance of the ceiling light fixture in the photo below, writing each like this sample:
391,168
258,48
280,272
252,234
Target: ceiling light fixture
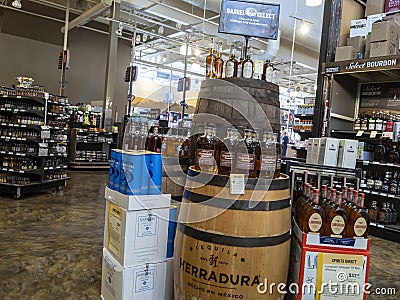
197,52
313,3
17,4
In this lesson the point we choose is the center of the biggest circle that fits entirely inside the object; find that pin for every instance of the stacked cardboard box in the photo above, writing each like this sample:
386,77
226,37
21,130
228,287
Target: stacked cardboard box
332,152
384,38
134,265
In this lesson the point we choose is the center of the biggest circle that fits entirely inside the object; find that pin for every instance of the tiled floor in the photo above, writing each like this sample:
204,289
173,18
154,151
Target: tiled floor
51,244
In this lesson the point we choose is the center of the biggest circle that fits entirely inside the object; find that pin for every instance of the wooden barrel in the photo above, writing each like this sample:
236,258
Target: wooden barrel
226,245
238,100
174,176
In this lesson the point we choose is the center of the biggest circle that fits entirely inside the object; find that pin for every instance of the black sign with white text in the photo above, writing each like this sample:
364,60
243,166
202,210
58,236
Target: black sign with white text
249,19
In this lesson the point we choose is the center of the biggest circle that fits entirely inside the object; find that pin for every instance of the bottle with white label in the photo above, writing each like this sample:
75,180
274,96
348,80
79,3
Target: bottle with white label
226,152
231,66
268,156
205,150
247,67
245,162
314,215
240,64
268,71
336,219
358,220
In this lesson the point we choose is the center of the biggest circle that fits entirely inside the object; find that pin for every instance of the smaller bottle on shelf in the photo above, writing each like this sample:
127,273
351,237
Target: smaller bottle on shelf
231,66
384,214
210,61
364,123
394,215
219,62
371,122
373,212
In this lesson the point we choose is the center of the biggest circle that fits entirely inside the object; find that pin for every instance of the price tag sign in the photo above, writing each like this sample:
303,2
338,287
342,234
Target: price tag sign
365,162
373,134
360,133
237,184
388,135
343,270
45,133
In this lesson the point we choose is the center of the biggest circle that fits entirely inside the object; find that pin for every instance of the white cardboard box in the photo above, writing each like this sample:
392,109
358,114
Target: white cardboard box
310,145
328,151
169,280
138,202
315,153
136,237
142,282
358,27
347,154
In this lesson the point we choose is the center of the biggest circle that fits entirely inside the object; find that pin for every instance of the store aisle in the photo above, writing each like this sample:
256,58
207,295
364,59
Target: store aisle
51,244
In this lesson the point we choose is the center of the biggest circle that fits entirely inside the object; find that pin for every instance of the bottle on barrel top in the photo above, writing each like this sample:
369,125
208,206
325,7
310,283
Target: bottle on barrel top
336,219
231,64
226,152
268,71
185,144
247,67
205,149
358,225
278,148
255,136
240,64
268,156
210,61
314,217
219,63
246,156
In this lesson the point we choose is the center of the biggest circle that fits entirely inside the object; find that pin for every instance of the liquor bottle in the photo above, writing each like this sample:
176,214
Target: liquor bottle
386,182
247,67
358,225
268,156
300,204
393,184
155,141
336,220
364,123
278,148
210,61
166,142
255,136
314,217
357,124
324,197
231,64
205,149
185,145
373,212
226,152
219,63
383,214
379,122
393,156
379,152
394,214
371,122
378,182
389,123
268,70
246,158
363,180
240,64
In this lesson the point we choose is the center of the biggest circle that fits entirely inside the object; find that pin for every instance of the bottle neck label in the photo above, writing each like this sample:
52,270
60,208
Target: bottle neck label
360,226
337,225
315,222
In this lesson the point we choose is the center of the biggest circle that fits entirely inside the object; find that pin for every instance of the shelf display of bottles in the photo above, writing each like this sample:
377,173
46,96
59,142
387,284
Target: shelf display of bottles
382,121
19,133
20,105
22,91
91,156
19,163
250,155
385,215
303,125
18,149
85,119
94,138
244,67
176,143
334,213
52,175
304,110
21,120
387,182
14,179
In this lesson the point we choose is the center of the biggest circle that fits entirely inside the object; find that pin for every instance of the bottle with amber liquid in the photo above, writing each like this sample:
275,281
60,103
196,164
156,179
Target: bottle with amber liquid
226,152
324,197
240,64
246,157
373,212
155,141
314,217
219,62
247,67
255,136
393,156
301,202
268,156
231,66
336,220
185,144
358,225
278,148
211,61
205,150
268,71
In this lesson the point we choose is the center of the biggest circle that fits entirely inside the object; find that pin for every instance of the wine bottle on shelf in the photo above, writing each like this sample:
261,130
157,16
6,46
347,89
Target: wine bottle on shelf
231,66
379,122
210,61
358,221
357,124
373,212
384,214
394,214
364,122
393,155
314,216
219,63
371,122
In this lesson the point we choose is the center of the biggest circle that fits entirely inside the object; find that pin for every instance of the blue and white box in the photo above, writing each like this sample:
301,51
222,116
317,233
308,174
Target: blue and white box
132,164
154,167
173,211
139,282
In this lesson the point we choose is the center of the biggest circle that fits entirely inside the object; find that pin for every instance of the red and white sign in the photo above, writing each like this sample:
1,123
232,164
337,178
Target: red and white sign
392,6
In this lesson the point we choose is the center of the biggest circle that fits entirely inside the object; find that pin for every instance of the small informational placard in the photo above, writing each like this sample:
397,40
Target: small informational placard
237,184
373,134
340,276
187,84
359,133
249,19
43,149
114,229
45,133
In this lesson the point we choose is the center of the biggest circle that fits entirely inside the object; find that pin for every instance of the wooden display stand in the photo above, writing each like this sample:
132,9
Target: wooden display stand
336,266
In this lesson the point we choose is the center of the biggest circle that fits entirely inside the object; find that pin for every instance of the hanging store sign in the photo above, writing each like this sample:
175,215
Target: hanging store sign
183,81
249,19
380,96
361,65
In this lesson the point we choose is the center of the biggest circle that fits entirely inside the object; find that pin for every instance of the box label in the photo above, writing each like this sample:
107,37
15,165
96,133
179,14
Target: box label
144,280
114,229
146,231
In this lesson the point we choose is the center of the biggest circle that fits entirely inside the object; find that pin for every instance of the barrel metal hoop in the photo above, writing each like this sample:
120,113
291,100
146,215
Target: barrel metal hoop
246,205
233,241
